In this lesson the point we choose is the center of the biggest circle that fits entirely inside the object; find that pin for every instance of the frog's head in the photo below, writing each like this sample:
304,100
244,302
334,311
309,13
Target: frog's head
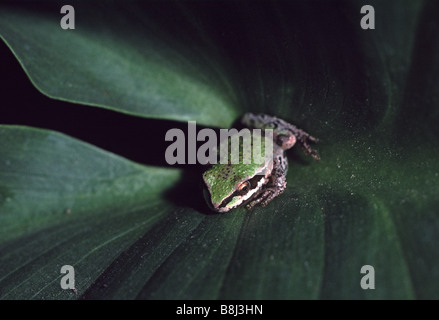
229,186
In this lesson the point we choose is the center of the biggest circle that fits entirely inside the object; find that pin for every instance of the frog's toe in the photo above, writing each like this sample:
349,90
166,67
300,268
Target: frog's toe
312,139
307,148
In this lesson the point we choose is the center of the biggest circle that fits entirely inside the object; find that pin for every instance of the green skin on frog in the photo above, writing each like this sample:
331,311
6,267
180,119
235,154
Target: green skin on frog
229,186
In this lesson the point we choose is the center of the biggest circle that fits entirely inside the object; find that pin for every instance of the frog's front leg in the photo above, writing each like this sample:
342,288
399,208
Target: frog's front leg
276,186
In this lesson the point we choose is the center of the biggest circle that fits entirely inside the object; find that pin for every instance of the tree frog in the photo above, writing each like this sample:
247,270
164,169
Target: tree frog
229,186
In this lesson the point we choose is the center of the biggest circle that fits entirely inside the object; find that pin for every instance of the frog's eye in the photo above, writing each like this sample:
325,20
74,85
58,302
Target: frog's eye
244,187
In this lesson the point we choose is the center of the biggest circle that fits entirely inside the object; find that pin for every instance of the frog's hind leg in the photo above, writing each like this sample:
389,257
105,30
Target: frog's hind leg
282,131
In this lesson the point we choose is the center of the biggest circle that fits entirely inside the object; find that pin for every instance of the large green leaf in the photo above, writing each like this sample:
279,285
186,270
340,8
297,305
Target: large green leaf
64,202
120,57
138,231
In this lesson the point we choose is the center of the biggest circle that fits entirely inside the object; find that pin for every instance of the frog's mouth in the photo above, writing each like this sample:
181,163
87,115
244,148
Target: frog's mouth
237,198
206,195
